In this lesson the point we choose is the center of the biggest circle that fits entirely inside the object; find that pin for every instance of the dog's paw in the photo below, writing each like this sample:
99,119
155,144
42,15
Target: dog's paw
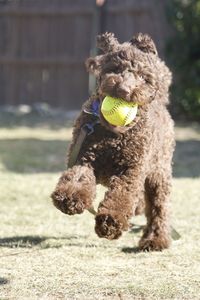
154,243
68,204
108,227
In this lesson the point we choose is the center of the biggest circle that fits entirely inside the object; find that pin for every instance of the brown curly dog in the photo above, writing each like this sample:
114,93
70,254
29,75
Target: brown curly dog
133,161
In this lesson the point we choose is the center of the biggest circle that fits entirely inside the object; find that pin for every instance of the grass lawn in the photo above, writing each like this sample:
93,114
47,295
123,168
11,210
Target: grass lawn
45,254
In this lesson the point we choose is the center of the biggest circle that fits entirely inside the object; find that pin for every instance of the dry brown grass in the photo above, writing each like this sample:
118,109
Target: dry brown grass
47,255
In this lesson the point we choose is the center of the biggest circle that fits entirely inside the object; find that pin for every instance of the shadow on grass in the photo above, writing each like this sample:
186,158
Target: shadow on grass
3,281
133,230
44,242
130,250
21,241
33,155
187,159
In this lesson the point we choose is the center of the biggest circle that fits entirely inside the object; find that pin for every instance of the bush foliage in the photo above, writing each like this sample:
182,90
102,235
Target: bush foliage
184,54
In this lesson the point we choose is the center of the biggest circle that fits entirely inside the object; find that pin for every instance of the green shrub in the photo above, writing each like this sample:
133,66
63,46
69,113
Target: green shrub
184,54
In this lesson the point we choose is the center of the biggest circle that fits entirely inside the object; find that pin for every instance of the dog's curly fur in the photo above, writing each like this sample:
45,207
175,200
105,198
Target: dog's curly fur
134,161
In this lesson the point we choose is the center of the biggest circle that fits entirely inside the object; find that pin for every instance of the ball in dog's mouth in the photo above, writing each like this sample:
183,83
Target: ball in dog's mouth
117,111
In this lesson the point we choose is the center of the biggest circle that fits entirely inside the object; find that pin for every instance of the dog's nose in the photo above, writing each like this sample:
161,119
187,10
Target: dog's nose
123,92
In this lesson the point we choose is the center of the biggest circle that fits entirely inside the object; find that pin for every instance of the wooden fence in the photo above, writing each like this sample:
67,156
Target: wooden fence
44,43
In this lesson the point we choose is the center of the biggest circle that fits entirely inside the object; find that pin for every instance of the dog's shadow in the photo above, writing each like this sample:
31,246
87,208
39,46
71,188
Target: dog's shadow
134,229
129,250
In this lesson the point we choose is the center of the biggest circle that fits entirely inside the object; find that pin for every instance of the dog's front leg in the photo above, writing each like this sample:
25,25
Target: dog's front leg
119,205
75,191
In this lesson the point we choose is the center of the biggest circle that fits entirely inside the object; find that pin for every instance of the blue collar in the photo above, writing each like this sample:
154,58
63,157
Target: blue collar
94,109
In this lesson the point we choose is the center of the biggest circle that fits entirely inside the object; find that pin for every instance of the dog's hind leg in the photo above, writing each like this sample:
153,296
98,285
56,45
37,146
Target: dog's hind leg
156,235
75,191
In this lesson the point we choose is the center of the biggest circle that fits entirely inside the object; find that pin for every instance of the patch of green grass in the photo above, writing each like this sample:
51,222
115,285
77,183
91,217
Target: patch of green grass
45,254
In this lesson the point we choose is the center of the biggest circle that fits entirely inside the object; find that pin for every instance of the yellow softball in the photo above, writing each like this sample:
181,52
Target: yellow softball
117,111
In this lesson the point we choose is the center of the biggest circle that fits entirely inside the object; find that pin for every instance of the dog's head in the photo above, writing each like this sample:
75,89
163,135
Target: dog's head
132,70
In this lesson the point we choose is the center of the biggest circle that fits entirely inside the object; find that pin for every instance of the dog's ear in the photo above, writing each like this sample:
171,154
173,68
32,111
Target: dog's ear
93,64
107,42
144,43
